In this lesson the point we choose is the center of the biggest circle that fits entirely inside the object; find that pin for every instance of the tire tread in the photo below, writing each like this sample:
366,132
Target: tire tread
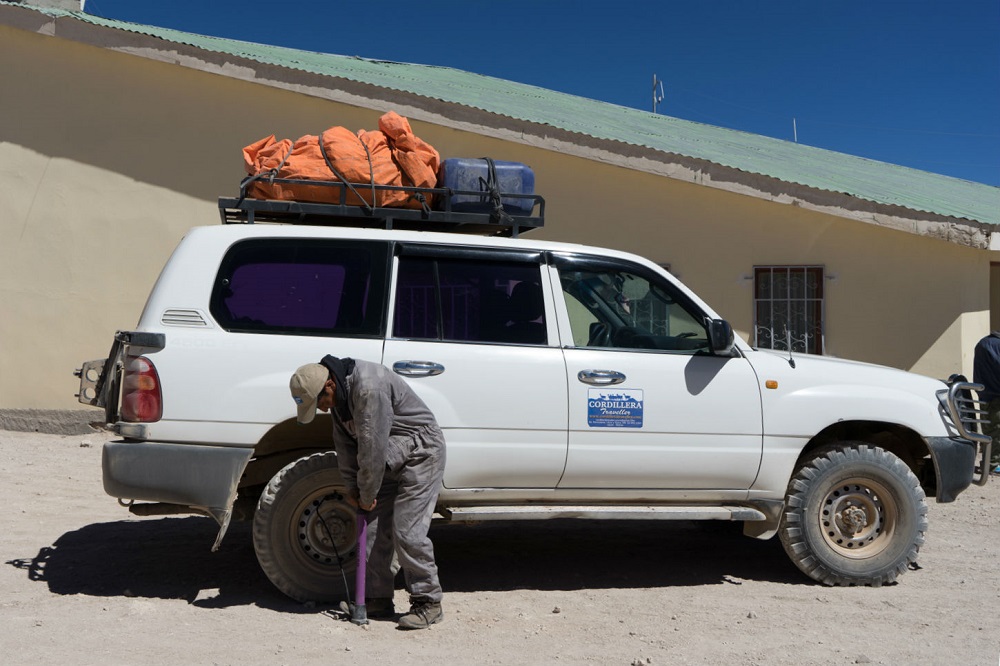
268,506
794,537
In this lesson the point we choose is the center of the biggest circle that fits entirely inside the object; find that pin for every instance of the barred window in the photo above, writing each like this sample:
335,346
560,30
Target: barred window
788,308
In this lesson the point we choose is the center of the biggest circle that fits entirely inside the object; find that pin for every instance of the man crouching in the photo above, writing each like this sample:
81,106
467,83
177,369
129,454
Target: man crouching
391,455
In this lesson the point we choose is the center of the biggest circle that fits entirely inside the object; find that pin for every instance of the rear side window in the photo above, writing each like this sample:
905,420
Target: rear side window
303,287
469,300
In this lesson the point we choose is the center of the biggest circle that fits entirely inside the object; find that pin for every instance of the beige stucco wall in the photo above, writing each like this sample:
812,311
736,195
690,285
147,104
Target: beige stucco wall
106,159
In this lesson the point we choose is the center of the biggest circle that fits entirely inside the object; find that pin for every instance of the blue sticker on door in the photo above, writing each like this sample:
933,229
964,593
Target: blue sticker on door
614,408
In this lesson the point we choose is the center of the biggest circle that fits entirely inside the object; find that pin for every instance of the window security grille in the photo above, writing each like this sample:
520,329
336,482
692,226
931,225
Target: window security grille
788,308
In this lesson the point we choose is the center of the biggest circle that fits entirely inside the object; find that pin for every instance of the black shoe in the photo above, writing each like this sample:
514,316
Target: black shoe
422,615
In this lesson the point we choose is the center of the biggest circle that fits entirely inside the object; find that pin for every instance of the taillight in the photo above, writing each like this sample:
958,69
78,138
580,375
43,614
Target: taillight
142,401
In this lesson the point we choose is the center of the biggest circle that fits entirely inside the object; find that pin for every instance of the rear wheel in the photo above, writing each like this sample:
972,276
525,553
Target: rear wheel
854,515
304,531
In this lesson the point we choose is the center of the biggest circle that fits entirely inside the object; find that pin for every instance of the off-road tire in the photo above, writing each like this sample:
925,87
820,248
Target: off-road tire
302,524
854,514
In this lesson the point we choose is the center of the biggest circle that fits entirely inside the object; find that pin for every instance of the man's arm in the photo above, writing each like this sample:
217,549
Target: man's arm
347,457
372,422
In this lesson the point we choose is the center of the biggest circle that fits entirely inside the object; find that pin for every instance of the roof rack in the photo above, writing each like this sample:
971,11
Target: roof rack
486,219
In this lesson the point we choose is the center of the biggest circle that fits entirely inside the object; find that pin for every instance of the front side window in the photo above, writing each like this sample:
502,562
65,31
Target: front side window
302,287
625,308
469,300
788,308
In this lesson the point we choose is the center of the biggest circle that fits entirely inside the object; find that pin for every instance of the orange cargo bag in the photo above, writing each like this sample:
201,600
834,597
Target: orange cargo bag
393,156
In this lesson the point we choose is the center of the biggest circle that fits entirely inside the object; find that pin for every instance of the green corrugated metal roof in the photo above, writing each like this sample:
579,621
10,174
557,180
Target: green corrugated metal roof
791,162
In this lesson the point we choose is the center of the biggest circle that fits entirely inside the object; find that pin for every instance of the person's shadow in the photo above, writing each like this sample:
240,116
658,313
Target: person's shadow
171,558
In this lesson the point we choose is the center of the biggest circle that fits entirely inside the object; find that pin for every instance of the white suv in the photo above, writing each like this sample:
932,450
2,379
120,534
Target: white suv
570,381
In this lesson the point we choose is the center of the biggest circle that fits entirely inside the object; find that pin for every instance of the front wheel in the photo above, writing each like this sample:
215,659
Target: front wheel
305,532
854,515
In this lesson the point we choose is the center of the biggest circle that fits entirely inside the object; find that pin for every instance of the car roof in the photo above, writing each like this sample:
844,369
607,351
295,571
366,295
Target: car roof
238,231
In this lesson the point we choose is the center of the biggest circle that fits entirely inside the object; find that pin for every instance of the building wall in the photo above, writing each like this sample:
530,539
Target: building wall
994,295
107,159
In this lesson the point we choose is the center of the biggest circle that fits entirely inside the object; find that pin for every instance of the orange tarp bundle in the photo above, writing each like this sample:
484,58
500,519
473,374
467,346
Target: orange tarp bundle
393,155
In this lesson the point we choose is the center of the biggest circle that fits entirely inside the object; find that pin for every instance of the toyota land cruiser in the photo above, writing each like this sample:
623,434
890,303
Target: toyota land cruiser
570,381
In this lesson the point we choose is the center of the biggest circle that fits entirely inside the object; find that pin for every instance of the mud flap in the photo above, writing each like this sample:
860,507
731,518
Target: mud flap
195,475
764,529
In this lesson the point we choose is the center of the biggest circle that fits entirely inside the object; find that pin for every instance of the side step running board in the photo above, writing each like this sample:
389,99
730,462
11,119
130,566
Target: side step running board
624,512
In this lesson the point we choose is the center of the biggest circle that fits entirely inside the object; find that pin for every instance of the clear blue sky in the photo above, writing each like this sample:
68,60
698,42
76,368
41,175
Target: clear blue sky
915,82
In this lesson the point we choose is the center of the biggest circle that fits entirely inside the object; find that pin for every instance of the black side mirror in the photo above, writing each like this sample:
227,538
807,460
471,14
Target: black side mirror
720,337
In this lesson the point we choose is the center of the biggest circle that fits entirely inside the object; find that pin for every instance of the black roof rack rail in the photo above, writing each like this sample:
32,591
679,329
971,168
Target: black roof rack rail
484,220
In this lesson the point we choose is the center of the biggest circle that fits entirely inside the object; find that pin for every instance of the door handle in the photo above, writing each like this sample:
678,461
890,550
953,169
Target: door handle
601,377
417,368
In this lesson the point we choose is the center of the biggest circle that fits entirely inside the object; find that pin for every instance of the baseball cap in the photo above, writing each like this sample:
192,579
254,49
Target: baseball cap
305,385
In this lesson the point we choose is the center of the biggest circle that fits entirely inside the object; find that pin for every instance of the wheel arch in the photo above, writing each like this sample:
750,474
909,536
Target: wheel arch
903,442
282,444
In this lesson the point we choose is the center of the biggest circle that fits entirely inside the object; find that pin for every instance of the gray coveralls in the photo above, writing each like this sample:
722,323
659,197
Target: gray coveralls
392,451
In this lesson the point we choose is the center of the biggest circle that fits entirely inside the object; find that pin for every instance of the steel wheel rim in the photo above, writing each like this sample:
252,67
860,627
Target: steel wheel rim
858,517
325,527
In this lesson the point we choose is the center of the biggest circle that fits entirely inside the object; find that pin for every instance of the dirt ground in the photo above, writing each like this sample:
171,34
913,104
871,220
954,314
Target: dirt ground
84,582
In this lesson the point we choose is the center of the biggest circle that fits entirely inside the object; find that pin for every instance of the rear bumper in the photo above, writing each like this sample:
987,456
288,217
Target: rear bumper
195,475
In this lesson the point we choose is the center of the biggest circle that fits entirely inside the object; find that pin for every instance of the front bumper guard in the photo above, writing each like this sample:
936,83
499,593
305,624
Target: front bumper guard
967,416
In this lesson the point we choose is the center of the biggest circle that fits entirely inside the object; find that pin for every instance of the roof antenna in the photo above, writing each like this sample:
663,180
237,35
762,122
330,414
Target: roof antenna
657,92
788,338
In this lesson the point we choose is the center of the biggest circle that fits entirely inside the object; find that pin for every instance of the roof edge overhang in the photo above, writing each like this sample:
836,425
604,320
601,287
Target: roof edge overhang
961,231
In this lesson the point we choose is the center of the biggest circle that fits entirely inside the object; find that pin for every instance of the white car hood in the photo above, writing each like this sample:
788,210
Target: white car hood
820,390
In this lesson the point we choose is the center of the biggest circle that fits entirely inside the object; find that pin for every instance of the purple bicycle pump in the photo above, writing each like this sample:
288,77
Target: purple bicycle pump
359,613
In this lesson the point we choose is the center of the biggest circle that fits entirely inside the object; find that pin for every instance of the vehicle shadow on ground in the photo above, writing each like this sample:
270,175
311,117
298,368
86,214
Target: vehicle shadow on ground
594,554
171,558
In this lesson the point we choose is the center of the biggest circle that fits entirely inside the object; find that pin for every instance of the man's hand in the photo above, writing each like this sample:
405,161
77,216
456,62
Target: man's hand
354,499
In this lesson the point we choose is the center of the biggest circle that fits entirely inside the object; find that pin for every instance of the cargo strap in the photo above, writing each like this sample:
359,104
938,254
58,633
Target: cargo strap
419,197
268,175
422,200
492,187
340,176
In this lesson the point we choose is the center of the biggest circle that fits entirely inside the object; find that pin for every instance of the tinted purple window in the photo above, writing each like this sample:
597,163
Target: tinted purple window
416,314
461,294
309,287
467,301
287,295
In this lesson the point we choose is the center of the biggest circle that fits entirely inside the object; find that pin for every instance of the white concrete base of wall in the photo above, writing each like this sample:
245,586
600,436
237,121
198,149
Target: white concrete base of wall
52,421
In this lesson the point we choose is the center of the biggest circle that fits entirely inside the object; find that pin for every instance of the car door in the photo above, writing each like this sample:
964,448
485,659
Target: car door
473,332
649,405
